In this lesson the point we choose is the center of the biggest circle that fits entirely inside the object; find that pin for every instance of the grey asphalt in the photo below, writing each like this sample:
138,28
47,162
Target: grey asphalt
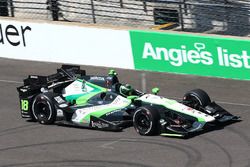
29,144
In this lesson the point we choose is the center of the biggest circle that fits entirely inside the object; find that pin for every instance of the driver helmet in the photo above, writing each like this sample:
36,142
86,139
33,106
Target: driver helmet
126,90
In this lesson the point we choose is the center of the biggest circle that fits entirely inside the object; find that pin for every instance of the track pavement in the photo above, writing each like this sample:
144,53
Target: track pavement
27,144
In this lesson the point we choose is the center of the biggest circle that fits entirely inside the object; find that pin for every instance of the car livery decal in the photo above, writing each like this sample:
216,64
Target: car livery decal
80,91
83,115
176,106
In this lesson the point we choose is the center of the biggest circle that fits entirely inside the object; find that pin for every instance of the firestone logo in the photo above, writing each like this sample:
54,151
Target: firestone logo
179,56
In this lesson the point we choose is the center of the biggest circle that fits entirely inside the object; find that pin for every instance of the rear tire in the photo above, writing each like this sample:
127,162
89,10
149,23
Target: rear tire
43,108
197,98
146,121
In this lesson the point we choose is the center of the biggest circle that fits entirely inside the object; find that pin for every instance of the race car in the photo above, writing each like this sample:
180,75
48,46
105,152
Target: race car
70,97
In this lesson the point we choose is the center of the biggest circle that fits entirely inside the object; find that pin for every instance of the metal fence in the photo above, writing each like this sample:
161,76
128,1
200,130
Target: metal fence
209,16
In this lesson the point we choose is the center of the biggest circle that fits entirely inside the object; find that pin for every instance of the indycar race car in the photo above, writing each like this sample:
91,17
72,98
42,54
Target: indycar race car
71,97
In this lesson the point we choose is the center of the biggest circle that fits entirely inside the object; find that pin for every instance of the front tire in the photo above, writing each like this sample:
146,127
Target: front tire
43,109
197,98
146,121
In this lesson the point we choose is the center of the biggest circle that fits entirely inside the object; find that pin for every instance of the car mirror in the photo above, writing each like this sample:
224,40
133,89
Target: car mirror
155,91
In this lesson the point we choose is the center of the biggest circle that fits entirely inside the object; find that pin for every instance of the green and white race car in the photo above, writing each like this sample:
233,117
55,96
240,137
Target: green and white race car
70,97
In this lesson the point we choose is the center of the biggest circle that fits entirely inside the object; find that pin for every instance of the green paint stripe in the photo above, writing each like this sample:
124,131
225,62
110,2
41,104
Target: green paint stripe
171,134
83,99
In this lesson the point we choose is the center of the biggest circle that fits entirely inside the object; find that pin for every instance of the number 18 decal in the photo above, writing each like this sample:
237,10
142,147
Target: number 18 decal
25,105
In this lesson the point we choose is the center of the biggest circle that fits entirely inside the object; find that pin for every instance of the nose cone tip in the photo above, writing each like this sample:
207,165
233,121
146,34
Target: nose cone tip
210,119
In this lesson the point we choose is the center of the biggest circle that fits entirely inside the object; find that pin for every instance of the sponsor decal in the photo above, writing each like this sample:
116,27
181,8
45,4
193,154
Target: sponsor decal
97,78
99,124
190,111
114,113
33,76
23,90
59,99
13,35
178,56
191,54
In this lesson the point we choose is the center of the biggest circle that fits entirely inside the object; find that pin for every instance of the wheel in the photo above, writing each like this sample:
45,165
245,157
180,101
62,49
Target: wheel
197,98
146,121
43,109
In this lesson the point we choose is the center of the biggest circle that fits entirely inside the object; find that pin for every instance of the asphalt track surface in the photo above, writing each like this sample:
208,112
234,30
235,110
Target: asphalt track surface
29,144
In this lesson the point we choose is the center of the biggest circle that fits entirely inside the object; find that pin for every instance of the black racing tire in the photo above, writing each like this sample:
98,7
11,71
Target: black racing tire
43,108
198,98
146,121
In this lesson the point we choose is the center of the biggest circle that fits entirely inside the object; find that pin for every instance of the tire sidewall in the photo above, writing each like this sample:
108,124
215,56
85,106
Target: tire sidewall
199,95
45,99
153,116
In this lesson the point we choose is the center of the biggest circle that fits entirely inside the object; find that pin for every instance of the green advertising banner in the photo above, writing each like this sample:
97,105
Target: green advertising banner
191,54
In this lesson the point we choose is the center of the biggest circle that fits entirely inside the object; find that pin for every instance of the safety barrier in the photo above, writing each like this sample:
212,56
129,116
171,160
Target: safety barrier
182,53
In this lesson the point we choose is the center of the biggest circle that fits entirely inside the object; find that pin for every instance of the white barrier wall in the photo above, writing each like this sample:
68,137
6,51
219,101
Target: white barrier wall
65,44
184,53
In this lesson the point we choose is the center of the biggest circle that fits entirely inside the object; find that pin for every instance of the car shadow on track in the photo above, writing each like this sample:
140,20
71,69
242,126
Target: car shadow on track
208,128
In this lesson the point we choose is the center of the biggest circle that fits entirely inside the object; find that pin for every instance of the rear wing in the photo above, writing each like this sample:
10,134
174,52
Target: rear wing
33,84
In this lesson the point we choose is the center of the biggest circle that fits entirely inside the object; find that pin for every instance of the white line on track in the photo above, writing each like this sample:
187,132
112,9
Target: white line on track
108,145
8,81
235,104
221,102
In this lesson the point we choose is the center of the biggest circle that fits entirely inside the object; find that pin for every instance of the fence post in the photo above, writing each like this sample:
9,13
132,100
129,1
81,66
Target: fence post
93,11
145,6
185,6
53,7
12,8
181,17
121,3
4,8
55,10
